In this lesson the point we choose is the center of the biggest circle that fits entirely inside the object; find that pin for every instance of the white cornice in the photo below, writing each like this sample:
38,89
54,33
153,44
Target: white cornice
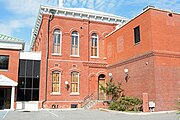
80,13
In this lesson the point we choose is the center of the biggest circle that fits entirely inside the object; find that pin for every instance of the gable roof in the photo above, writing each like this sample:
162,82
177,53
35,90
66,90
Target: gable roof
5,81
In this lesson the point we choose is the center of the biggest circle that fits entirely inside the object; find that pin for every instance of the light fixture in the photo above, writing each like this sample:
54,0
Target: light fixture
110,76
126,73
66,85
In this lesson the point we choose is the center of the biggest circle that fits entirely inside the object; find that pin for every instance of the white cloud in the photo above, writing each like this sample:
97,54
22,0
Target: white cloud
9,27
23,7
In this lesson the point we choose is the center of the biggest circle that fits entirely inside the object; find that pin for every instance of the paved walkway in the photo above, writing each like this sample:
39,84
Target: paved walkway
84,115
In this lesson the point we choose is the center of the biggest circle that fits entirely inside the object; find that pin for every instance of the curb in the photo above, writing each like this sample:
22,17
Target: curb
139,113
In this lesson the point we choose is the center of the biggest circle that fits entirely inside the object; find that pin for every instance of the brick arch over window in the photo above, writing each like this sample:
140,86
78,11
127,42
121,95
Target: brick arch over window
56,27
56,69
74,70
101,72
73,29
91,75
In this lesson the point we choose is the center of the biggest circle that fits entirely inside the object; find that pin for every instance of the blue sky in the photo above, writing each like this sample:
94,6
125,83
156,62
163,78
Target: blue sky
17,17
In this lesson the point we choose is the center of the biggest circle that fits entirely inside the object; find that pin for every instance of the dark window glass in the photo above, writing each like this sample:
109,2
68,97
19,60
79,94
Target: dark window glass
35,82
20,93
22,70
35,95
28,95
28,82
137,34
21,82
36,70
4,62
29,68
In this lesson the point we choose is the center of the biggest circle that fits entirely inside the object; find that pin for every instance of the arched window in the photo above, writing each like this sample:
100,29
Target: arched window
75,82
75,43
94,45
56,81
57,42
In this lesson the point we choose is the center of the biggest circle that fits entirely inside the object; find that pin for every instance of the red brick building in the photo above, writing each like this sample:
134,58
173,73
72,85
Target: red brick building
73,61
144,55
10,48
76,50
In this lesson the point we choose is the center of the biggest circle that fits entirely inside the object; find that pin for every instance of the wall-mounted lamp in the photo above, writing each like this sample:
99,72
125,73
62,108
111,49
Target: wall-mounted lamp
126,73
66,85
110,76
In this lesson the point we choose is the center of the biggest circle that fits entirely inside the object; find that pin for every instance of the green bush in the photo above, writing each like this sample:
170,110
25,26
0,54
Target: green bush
126,104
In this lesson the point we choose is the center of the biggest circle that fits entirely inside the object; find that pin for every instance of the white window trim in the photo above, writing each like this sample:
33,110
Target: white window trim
74,56
60,52
56,54
75,93
97,46
57,93
3,70
78,44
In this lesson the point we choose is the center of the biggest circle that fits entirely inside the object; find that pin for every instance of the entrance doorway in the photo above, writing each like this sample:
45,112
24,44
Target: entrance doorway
5,98
101,82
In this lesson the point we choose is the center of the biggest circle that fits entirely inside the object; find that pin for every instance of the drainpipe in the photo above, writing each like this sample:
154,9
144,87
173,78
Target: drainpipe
51,17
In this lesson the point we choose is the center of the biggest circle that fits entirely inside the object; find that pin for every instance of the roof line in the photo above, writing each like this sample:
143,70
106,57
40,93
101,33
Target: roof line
144,10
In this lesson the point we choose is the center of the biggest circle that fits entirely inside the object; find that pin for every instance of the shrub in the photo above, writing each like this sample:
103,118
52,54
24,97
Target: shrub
112,90
126,104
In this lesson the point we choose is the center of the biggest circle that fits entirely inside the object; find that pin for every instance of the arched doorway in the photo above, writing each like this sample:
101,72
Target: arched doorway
101,81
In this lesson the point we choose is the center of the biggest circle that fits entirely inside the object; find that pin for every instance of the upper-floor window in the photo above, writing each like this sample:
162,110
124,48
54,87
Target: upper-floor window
4,62
137,35
75,43
74,82
94,45
57,42
56,80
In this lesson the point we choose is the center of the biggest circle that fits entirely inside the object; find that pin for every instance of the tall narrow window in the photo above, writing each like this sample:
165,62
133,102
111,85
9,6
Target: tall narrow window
74,82
57,42
56,82
4,62
75,43
137,35
94,45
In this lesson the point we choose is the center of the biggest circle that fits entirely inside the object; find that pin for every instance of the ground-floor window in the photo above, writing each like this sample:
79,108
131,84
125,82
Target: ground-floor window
74,82
56,82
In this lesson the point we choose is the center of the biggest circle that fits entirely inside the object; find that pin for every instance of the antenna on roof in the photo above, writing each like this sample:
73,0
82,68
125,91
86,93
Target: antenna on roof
60,3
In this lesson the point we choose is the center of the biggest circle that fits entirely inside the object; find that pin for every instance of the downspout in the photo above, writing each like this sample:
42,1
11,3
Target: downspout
51,17
89,49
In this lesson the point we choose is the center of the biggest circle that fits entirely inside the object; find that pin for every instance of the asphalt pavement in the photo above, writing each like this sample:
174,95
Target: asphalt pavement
85,115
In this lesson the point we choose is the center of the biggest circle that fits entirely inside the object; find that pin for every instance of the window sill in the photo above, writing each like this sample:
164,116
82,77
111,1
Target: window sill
136,43
54,54
76,56
74,94
55,94
95,57
3,70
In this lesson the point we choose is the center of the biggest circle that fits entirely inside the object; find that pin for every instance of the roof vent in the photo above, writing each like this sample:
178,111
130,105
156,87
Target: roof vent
148,7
